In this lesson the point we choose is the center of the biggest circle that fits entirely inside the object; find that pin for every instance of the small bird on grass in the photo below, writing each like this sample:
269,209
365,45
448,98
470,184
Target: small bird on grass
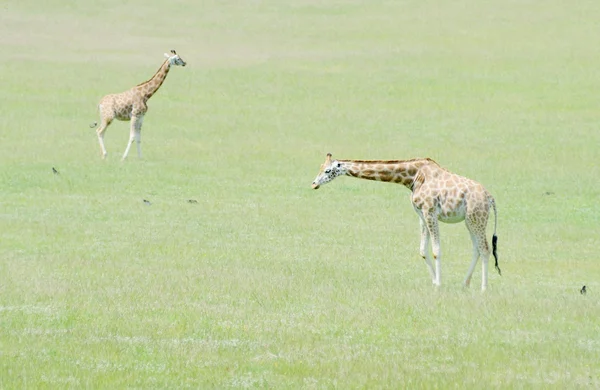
55,171
583,290
147,202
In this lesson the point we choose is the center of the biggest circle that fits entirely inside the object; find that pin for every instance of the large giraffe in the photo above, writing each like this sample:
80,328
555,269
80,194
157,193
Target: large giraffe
436,195
131,105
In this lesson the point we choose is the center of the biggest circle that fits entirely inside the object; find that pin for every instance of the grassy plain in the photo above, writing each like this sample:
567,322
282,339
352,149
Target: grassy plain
264,282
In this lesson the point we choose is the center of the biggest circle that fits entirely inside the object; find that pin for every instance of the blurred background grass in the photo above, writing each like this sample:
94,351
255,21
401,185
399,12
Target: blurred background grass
264,282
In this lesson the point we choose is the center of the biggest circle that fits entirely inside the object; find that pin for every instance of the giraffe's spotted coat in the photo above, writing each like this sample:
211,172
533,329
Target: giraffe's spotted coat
131,105
437,195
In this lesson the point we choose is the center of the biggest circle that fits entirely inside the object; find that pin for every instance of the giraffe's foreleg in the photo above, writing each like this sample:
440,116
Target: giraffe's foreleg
138,135
424,238
434,232
132,135
424,248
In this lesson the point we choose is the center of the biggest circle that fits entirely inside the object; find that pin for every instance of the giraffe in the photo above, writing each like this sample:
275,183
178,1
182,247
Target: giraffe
131,105
436,195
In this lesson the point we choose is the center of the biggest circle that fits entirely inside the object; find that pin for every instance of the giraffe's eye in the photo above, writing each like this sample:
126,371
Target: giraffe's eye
339,165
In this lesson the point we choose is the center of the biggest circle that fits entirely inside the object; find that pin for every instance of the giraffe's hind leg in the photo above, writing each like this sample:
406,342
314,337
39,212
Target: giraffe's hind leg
105,120
476,226
100,132
467,281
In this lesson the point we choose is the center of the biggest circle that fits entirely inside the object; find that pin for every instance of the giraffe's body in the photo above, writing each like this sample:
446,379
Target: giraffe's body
437,195
131,105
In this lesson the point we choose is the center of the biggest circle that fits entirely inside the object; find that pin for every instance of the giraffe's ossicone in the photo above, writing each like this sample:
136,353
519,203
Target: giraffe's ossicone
131,105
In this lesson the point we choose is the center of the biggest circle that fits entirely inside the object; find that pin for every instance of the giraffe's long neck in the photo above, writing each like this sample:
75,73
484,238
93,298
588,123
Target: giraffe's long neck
400,171
150,87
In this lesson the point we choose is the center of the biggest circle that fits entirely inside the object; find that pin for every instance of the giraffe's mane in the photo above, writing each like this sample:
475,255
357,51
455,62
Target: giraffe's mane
147,81
391,161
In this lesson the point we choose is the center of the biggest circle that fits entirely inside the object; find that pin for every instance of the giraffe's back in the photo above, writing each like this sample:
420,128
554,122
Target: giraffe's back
452,196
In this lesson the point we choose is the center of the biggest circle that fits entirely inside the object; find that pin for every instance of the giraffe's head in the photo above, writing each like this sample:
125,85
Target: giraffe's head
174,59
330,169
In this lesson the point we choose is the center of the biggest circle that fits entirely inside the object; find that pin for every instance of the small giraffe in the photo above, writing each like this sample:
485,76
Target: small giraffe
436,195
131,105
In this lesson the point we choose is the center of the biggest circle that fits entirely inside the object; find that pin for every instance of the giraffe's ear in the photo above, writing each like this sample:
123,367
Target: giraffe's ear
167,56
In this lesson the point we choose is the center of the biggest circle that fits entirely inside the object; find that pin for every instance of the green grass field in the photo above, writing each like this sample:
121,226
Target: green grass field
265,283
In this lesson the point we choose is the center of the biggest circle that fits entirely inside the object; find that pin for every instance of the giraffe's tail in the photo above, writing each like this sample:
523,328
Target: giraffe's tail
495,237
99,108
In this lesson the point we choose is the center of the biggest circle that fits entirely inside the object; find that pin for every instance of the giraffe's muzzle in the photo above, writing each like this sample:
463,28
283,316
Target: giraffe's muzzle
315,186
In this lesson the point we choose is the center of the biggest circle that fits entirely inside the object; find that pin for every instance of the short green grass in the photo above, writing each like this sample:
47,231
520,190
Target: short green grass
265,283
